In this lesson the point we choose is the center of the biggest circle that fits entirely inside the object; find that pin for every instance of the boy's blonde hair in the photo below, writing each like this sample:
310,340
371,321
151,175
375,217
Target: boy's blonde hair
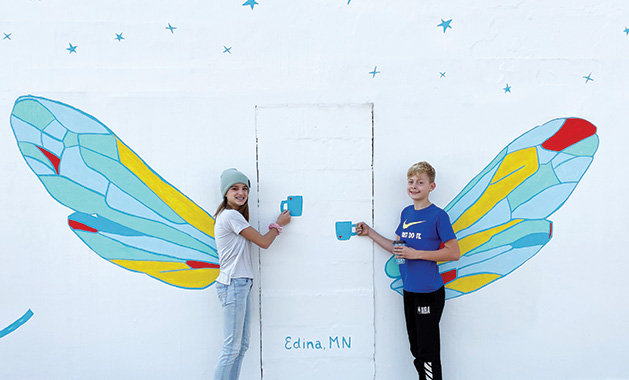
422,167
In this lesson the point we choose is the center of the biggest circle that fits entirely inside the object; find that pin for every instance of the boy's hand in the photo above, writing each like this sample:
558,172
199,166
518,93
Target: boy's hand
362,229
404,252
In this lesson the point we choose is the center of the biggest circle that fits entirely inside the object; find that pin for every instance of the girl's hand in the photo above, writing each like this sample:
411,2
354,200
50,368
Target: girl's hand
362,229
284,218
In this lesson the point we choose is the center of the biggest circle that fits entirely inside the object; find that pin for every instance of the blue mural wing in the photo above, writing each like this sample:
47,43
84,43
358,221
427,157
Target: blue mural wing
500,217
124,211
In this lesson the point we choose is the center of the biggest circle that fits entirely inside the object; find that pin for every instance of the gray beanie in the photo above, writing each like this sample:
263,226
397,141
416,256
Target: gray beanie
231,177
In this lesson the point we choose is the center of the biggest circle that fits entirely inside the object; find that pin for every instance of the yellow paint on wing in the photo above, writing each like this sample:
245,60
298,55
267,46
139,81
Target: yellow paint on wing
182,205
515,168
473,241
473,282
178,274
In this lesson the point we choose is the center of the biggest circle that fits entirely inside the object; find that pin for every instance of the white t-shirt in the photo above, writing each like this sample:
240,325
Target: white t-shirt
234,254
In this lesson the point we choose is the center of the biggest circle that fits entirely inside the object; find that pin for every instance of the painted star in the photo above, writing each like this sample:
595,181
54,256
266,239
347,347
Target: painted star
588,78
507,89
443,74
251,3
72,49
227,49
119,37
374,72
445,24
627,30
7,36
171,28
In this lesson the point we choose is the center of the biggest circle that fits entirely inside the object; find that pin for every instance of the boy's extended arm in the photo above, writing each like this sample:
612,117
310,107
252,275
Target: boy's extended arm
450,252
362,229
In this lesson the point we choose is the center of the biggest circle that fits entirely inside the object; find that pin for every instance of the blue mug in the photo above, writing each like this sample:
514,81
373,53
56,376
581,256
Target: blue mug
345,230
294,204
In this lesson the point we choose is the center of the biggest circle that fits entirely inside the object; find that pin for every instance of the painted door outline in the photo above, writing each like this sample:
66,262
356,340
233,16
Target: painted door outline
313,342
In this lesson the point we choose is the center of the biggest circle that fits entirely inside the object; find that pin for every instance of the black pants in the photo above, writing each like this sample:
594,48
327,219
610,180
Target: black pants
423,313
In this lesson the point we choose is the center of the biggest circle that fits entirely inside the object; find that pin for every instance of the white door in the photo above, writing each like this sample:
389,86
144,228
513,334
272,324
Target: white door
317,292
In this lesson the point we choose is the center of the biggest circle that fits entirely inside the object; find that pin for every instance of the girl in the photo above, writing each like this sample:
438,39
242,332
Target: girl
429,238
233,285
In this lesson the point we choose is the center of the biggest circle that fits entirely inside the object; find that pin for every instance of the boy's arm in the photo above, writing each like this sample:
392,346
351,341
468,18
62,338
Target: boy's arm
450,252
362,229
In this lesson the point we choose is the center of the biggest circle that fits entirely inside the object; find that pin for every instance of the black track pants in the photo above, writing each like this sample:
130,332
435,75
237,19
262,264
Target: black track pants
423,313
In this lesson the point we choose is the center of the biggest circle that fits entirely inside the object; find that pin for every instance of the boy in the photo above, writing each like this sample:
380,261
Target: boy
424,227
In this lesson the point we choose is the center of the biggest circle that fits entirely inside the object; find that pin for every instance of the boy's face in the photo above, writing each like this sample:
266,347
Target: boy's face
418,188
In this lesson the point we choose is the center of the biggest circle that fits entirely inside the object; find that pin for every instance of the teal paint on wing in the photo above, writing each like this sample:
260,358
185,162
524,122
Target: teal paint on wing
585,147
32,151
106,145
544,177
33,113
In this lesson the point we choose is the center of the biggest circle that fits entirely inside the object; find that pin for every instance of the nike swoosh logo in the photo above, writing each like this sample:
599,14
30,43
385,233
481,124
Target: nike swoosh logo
405,225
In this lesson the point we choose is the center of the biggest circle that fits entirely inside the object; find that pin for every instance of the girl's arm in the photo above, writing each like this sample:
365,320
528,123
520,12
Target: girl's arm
265,241
362,229
450,252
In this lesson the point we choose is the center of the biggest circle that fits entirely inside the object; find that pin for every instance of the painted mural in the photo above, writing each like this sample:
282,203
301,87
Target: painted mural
476,75
124,211
501,217
15,325
130,216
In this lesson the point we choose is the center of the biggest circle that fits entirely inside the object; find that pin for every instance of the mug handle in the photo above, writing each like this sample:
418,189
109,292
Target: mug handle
282,206
353,231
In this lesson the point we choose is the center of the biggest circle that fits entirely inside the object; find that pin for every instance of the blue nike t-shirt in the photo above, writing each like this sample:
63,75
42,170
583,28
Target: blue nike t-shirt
423,230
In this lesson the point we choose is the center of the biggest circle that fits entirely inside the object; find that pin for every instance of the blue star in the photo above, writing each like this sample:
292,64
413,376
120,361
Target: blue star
445,24
627,30
374,72
119,37
588,78
7,36
227,49
171,28
507,89
72,49
251,3
443,74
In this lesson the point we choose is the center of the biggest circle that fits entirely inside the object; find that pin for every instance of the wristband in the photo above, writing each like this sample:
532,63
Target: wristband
277,227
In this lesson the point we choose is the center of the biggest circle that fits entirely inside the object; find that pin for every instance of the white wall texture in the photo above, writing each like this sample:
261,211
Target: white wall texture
190,110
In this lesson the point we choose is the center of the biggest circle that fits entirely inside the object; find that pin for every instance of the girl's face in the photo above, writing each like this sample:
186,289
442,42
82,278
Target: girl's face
237,195
418,188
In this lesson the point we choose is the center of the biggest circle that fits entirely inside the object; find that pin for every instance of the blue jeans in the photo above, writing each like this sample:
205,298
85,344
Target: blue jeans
236,301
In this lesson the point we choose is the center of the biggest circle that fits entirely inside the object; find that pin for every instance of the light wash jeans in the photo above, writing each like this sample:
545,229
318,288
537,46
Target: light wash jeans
236,301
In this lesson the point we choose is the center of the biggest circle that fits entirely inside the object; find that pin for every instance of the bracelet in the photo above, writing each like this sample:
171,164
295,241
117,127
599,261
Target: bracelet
277,227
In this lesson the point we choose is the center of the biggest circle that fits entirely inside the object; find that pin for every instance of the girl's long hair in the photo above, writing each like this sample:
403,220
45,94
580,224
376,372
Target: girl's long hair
244,209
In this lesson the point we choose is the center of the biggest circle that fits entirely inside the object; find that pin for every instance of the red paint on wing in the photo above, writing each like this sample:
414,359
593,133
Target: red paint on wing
54,160
571,132
448,276
201,264
80,226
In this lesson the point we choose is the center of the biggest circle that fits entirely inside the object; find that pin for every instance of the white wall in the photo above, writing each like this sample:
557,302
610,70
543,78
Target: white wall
189,110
